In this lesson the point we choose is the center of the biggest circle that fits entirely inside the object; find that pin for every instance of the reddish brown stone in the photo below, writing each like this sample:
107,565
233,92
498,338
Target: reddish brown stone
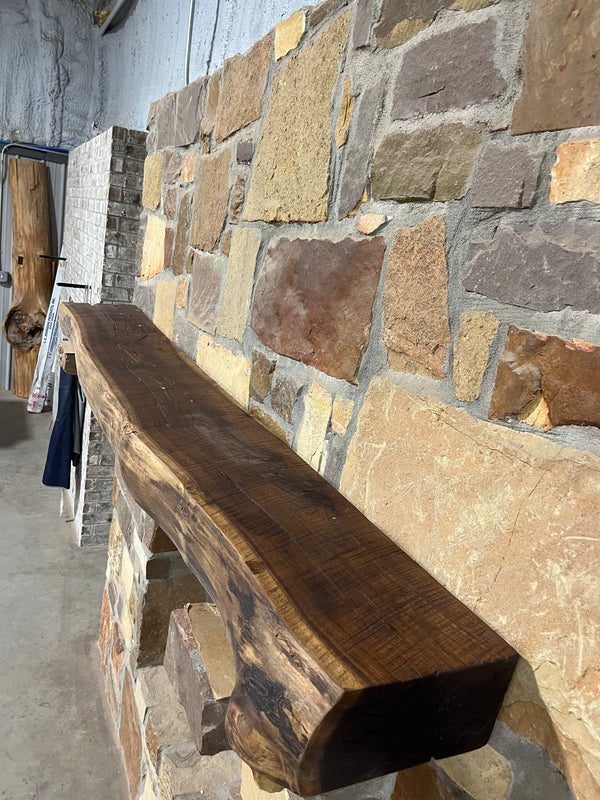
241,95
169,239
170,204
212,195
104,637
564,375
181,237
171,166
561,67
313,301
130,735
415,300
118,653
261,375
212,102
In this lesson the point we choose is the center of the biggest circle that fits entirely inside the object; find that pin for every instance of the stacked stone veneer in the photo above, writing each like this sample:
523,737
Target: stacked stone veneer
103,204
378,231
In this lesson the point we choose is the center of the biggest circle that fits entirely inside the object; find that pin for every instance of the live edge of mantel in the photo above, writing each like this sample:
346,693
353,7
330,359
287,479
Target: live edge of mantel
351,660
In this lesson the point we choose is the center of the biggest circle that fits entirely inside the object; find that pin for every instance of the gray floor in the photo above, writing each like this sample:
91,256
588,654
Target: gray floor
56,739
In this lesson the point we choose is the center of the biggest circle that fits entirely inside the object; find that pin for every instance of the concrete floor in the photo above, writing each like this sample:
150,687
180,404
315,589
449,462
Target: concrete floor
56,736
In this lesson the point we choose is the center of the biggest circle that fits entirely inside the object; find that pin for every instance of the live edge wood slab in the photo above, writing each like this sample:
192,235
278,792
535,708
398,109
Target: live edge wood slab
351,660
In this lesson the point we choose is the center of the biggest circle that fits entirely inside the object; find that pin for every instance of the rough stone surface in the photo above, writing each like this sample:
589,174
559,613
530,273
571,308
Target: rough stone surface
169,241
226,242
311,439
188,168
212,103
238,195
188,114
284,395
363,22
163,114
267,421
561,68
164,307
324,10
170,204
239,279
152,181
313,301
544,267
207,274
182,234
482,773
143,298
512,531
477,332
161,597
345,114
212,196
415,300
369,223
244,151
433,78
291,165
400,20
231,371
505,177
241,95
576,173
358,149
421,165
153,253
566,375
261,375
130,735
341,415
288,33
183,285
171,167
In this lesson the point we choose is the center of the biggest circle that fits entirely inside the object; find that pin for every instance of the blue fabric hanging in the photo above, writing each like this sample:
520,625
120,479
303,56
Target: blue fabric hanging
65,442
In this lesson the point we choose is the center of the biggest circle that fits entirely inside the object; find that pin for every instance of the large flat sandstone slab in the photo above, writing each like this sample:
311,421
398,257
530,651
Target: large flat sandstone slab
508,521
290,180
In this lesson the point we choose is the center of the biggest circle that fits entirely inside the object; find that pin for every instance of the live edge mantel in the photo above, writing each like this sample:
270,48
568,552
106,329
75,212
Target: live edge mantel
351,660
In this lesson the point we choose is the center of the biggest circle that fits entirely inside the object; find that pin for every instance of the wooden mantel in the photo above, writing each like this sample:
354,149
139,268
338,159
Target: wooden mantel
351,660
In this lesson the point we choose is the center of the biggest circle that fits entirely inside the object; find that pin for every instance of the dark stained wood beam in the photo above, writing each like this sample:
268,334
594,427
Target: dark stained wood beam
351,660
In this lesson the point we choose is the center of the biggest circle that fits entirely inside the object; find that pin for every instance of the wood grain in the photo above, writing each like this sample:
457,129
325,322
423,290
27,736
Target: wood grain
351,660
32,276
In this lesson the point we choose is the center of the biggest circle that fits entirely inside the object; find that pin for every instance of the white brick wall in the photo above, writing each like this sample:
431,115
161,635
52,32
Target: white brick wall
103,204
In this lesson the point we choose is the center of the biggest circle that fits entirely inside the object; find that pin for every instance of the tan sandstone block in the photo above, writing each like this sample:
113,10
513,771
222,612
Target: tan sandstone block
212,103
188,168
152,181
291,165
242,86
210,201
153,253
183,286
288,33
251,788
415,300
484,773
511,522
311,441
477,332
164,307
345,115
239,278
230,370
576,173
341,415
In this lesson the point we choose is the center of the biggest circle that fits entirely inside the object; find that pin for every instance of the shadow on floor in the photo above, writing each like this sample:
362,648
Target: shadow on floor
13,423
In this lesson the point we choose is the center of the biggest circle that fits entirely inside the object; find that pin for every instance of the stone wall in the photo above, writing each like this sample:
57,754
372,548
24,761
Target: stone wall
103,204
378,231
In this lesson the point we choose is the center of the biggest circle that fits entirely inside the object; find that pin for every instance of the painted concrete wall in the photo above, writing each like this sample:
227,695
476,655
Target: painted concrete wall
145,58
49,62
